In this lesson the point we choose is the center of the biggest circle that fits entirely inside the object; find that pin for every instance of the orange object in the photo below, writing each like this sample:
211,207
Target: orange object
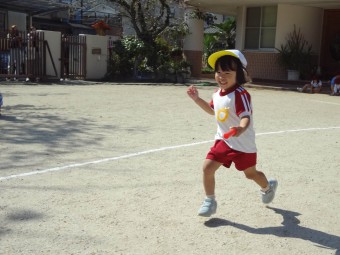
230,133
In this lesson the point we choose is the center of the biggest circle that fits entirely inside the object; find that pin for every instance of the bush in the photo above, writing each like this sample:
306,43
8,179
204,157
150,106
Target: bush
296,54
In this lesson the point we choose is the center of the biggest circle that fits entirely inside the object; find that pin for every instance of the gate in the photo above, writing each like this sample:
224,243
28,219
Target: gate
22,55
73,57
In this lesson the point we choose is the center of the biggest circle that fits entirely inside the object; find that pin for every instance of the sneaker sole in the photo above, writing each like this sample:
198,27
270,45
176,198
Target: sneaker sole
207,214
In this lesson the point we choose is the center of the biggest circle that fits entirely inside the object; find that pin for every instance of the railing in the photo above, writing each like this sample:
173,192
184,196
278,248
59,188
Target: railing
26,56
73,57
22,56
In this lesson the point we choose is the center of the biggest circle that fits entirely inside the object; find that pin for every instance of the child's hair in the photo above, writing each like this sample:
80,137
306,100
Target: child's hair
316,78
230,63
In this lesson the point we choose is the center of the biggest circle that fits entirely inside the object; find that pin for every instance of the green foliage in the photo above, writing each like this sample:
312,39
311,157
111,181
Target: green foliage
131,57
207,70
223,38
157,32
297,53
120,65
226,32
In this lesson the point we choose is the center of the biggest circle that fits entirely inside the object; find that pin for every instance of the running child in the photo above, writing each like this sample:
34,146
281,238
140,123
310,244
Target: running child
231,105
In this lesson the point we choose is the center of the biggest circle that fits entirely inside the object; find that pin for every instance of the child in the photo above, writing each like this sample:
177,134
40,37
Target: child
314,86
335,86
231,105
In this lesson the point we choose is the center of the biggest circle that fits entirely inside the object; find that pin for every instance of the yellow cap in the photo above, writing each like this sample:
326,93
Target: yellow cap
235,53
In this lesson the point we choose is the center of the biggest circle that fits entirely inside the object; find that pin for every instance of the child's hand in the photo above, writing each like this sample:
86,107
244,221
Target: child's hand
234,131
239,131
193,92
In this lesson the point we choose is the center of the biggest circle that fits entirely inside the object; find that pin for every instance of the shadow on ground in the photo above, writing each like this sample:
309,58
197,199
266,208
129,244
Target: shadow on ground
290,228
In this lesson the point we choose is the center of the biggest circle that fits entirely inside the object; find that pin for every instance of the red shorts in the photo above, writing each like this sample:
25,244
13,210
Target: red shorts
222,153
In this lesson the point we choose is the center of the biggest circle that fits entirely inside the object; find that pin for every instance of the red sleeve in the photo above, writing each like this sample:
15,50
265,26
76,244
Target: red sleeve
211,104
242,102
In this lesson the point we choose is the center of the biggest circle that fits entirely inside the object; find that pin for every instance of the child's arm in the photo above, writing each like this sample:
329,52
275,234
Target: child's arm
193,94
244,123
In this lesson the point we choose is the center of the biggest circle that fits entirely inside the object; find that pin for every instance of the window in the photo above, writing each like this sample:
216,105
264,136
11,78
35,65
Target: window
260,27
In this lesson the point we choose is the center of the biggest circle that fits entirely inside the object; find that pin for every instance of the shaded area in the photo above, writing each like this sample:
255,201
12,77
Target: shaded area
290,228
52,131
24,215
19,215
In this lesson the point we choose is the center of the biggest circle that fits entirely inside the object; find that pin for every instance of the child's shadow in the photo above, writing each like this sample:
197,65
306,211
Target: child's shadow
290,228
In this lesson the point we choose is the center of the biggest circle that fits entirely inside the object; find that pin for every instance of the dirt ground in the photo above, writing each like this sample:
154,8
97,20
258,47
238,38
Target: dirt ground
116,169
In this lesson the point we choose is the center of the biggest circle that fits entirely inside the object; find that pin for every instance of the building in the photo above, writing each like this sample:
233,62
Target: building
21,12
262,27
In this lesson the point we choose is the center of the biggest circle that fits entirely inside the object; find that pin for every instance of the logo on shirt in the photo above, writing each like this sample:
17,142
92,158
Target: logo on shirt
222,114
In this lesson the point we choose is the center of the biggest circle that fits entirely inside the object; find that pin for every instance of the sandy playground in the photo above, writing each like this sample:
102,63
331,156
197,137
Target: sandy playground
116,169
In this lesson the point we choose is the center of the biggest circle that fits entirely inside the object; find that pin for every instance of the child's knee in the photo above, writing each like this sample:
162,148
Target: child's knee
208,170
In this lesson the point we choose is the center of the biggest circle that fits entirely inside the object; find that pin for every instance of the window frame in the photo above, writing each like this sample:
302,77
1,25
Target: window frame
260,29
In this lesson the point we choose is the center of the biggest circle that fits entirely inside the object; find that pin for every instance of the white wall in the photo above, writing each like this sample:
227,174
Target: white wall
308,19
240,27
96,64
194,40
54,42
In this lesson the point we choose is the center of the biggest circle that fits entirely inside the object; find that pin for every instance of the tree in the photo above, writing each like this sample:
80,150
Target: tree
223,38
151,20
227,32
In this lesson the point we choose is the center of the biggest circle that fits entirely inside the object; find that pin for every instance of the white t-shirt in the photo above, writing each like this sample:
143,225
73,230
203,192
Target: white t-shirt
229,108
316,84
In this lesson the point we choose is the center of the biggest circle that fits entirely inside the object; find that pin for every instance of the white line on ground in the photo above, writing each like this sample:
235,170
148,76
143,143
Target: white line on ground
55,169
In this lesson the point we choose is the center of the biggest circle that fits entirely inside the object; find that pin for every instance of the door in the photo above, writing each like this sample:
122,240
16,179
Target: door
330,49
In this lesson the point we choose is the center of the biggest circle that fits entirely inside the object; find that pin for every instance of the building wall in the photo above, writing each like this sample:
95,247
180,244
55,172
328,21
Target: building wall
193,43
53,39
308,19
96,61
264,64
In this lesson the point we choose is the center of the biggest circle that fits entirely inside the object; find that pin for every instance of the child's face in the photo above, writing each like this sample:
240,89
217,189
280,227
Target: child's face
225,79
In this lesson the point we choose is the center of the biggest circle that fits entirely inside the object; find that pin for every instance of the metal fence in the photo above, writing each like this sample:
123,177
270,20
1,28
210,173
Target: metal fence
25,56
22,55
73,57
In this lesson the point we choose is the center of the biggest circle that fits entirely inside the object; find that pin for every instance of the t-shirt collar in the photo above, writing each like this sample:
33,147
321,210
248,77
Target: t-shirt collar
232,89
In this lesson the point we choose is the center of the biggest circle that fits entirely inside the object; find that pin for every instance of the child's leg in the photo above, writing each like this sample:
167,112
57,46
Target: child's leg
268,188
209,205
209,169
257,176
316,90
304,88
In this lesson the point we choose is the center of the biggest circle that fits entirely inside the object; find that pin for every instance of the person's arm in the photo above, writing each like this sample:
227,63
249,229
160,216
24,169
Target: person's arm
243,110
193,94
244,124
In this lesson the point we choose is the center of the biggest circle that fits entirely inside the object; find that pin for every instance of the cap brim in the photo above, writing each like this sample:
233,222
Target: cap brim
213,57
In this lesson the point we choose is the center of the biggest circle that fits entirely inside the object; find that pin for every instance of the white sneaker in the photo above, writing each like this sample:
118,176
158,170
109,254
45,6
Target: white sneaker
269,195
299,89
208,207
